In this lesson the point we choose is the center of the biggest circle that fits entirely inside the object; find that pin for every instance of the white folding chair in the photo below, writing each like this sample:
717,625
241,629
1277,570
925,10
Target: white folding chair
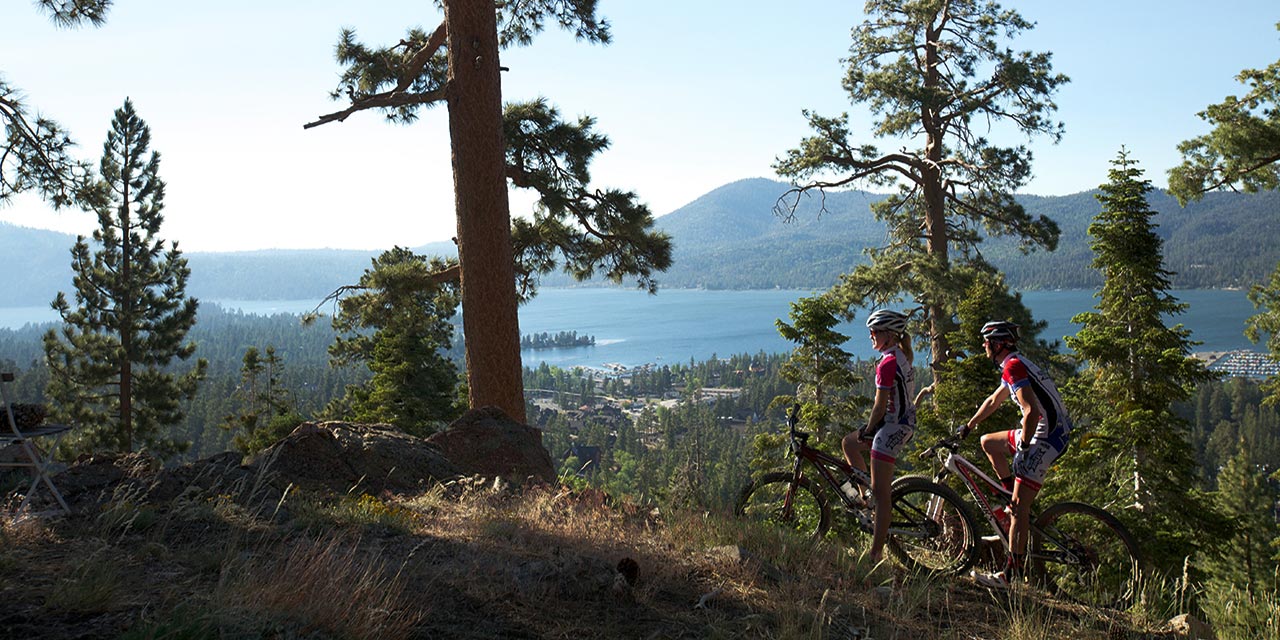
38,462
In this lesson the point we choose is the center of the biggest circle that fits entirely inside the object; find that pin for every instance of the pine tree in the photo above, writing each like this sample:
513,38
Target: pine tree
1246,496
1242,151
1131,441
584,230
112,362
919,68
821,368
1266,296
398,326
35,154
262,399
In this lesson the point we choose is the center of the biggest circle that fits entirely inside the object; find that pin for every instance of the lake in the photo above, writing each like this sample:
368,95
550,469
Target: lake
633,328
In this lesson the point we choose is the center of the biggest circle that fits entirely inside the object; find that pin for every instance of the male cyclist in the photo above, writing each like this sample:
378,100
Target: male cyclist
1035,444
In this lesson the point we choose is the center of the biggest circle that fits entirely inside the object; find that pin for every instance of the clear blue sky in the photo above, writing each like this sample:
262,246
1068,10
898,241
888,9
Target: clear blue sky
693,94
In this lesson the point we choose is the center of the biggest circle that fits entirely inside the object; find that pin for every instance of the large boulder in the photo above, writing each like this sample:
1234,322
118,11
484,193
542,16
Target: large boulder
486,442
337,456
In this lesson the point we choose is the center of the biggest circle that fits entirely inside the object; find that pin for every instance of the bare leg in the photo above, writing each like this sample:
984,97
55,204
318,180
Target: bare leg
996,446
881,491
1023,495
853,450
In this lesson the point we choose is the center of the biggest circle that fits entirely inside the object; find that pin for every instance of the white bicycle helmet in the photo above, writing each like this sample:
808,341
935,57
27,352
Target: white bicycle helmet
887,320
1001,331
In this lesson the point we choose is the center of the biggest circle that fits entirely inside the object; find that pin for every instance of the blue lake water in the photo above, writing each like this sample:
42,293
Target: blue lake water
633,328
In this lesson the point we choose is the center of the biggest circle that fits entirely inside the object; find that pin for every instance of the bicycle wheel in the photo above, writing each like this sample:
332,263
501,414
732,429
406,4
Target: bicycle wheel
765,500
1083,553
931,529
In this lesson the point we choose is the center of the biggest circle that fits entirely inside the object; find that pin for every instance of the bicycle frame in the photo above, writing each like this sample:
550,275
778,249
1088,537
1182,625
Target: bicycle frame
824,463
970,476
975,481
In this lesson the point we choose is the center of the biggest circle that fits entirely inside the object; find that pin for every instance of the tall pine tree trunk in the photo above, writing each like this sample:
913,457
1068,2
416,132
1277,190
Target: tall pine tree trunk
489,304
124,306
935,222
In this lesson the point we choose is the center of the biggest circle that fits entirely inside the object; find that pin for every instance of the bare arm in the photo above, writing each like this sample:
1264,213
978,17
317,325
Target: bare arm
988,406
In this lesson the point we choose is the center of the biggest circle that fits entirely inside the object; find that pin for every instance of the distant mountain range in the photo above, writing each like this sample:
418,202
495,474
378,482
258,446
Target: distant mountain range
730,238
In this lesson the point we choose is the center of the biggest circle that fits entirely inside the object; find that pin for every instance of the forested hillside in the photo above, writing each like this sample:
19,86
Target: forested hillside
731,238
44,258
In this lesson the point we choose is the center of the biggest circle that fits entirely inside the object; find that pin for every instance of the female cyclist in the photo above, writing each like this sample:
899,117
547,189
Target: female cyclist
893,416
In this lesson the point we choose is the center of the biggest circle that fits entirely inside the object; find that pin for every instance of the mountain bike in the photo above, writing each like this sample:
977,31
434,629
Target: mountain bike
930,528
1077,550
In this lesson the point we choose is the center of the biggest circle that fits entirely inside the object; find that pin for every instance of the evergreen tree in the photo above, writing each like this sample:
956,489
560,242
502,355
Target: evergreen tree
1242,148
261,396
822,370
919,66
1245,495
397,326
1132,442
1266,296
1241,151
36,154
525,143
112,362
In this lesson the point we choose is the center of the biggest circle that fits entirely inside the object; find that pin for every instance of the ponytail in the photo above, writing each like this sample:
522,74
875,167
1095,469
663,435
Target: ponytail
904,343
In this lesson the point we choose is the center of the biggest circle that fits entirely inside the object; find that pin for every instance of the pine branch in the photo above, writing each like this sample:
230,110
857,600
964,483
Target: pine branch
397,96
1228,178
12,112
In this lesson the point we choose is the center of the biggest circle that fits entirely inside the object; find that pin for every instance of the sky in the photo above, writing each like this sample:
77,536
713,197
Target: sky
693,94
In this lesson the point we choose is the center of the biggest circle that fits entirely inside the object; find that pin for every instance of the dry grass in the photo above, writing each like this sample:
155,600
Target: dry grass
327,586
92,584
473,561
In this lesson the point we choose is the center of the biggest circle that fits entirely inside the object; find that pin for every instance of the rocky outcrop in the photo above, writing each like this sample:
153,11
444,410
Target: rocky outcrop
334,457
372,458
486,442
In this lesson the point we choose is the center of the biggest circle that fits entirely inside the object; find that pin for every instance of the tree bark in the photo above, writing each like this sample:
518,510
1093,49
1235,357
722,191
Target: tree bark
123,301
937,241
489,303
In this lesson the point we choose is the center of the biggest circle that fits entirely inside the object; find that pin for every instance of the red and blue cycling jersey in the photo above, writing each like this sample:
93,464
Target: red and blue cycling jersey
1017,372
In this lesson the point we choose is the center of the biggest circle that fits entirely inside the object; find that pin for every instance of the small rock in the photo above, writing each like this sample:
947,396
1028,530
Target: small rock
1187,626
734,554
629,570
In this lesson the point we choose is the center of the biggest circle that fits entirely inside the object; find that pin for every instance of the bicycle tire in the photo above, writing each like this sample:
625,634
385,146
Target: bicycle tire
1083,553
763,500
932,529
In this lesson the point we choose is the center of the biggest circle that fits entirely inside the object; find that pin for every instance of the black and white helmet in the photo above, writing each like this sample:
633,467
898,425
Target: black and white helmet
1001,331
887,320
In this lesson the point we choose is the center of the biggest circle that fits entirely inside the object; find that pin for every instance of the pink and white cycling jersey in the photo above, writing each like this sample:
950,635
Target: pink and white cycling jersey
1019,372
894,373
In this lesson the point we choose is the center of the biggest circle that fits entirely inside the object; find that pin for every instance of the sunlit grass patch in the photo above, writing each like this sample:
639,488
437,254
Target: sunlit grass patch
1027,618
1241,613
352,510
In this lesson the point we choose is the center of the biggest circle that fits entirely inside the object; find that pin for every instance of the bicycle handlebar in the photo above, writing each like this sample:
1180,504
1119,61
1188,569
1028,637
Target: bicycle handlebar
950,444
